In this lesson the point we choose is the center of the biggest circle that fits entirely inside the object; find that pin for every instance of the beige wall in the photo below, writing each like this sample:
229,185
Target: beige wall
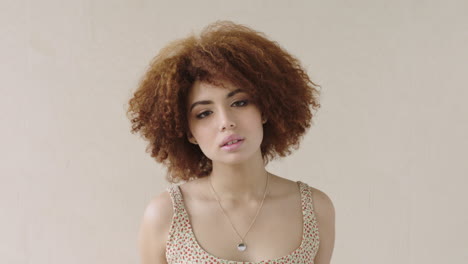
388,146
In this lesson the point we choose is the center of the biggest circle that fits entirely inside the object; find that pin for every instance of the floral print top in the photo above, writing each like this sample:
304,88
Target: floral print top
182,246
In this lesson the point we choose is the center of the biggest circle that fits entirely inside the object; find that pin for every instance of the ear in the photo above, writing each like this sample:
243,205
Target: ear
191,139
264,119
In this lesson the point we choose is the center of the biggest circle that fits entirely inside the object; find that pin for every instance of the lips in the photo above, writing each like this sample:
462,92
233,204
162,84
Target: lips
231,139
232,142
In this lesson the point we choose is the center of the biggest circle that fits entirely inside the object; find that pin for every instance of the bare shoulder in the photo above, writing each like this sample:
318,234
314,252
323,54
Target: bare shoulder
159,208
322,202
325,214
154,229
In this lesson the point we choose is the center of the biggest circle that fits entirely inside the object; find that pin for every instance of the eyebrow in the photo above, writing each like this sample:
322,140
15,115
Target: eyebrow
206,102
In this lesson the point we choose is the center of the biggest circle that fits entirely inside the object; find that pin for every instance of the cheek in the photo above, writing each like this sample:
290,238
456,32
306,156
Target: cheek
199,130
256,117
255,123
193,129
260,129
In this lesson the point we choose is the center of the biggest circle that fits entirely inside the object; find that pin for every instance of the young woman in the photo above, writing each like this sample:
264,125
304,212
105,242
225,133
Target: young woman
216,108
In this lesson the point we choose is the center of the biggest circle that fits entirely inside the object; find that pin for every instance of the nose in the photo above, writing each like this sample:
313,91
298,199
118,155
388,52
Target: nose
226,121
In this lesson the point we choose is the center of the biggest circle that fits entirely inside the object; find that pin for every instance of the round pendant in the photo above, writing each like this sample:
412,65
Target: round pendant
241,247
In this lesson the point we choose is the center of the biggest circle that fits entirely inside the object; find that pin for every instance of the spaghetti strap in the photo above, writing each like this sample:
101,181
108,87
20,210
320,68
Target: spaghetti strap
176,197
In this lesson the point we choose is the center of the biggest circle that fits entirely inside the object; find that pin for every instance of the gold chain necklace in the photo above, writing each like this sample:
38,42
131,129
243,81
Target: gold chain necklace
242,246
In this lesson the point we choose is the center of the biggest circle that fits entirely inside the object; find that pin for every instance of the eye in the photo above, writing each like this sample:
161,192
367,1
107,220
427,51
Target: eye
240,103
203,114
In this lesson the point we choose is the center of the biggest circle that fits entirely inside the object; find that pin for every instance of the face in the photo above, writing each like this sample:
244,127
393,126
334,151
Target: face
224,114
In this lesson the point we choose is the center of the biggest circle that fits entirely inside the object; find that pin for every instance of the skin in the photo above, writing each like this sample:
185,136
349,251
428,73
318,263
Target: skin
239,178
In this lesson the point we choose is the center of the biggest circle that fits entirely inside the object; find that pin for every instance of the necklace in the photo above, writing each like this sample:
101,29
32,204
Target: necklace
242,246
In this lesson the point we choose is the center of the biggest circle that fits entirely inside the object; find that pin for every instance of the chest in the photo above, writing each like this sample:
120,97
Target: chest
276,232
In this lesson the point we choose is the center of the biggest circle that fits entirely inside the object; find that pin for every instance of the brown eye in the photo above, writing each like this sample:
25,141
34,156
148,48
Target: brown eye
240,103
203,114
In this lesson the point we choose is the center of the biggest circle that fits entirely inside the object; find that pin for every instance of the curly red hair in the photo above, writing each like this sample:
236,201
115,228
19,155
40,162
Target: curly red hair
275,79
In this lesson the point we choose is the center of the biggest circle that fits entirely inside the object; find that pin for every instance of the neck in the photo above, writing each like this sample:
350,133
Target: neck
240,182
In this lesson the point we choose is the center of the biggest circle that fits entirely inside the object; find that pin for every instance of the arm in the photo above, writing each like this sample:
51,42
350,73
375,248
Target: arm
154,230
325,215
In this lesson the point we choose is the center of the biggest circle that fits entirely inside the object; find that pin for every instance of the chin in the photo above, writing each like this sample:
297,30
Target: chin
235,158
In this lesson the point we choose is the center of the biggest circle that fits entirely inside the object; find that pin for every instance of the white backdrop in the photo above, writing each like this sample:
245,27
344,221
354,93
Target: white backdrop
387,146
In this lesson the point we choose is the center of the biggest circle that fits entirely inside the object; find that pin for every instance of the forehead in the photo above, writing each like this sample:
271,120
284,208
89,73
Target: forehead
203,90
